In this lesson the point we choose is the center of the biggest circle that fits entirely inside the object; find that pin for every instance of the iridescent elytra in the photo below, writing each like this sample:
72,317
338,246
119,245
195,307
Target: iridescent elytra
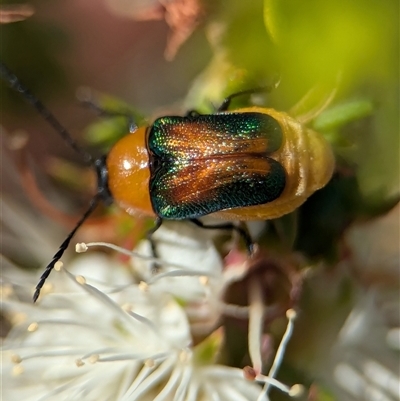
247,164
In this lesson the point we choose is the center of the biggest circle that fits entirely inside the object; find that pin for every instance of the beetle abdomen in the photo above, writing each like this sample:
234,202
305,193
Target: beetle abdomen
308,161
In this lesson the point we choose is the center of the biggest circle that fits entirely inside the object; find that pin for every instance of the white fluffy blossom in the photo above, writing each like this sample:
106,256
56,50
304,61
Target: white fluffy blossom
107,335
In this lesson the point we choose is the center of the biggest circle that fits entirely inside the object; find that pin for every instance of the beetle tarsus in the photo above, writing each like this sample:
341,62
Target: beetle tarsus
227,101
86,98
250,246
192,113
155,267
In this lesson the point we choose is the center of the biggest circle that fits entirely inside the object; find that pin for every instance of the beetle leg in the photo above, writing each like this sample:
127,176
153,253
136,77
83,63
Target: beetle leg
264,89
229,226
192,113
86,98
149,235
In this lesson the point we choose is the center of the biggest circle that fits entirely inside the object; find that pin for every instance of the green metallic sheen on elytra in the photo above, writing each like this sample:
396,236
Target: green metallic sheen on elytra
213,134
208,163
242,189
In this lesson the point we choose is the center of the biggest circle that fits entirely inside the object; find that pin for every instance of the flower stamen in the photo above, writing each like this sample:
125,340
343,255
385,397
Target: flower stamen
80,279
33,327
94,358
79,363
17,370
15,358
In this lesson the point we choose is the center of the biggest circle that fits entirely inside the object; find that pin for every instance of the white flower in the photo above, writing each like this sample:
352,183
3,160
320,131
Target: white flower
366,359
84,345
192,271
118,332
363,363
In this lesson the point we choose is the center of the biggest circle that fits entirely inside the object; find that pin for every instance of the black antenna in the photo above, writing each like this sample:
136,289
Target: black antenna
15,84
63,247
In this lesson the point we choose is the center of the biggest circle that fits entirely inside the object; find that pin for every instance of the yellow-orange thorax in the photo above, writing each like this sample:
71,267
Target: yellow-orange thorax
129,174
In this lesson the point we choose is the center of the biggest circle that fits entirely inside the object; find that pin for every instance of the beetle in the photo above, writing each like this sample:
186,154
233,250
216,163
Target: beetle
247,164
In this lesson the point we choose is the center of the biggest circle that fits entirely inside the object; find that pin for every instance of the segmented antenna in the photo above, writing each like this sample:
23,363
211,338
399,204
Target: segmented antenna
63,247
15,84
